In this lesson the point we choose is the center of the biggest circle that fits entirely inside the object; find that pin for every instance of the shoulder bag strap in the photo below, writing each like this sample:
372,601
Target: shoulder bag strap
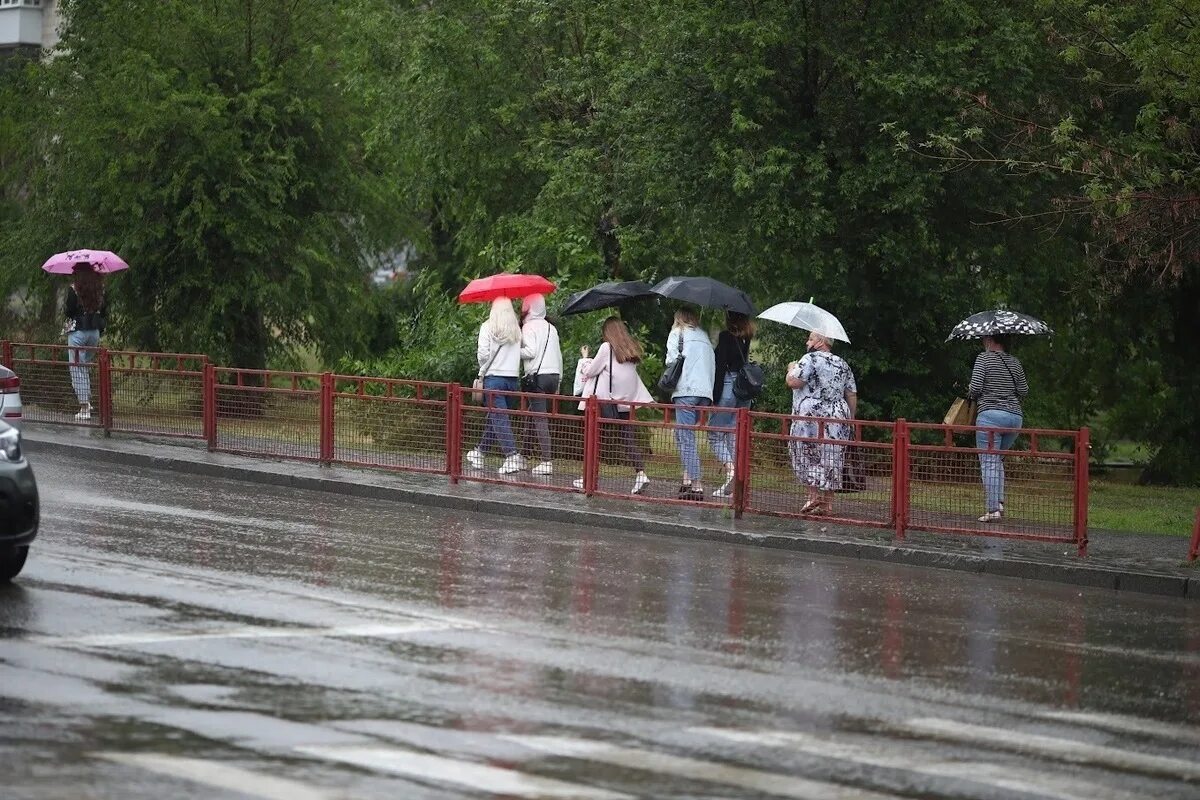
492,360
545,345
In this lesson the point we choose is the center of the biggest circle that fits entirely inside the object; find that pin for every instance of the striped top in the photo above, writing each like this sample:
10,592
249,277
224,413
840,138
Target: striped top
998,382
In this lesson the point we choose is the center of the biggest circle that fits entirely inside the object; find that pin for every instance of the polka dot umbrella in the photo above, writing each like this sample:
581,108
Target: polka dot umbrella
997,321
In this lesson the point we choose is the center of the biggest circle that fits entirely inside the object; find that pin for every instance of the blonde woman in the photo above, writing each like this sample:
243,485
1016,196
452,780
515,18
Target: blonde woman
499,355
693,392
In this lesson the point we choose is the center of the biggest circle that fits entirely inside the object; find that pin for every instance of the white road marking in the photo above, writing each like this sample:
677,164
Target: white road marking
369,630
220,776
695,769
470,774
1119,723
1003,776
1054,748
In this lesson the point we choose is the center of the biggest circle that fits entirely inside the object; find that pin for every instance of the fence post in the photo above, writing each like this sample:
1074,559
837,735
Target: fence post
326,454
454,432
741,464
105,367
1083,449
900,488
208,405
1194,550
591,445
6,353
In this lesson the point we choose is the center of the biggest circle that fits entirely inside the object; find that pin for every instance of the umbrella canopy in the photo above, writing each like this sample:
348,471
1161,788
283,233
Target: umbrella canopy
506,284
808,317
102,261
706,292
606,295
997,321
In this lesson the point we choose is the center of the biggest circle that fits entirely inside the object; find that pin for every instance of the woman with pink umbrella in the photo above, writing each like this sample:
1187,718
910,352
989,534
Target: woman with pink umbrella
85,311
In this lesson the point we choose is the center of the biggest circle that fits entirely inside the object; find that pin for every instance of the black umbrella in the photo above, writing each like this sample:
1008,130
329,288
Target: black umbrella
706,292
606,295
998,321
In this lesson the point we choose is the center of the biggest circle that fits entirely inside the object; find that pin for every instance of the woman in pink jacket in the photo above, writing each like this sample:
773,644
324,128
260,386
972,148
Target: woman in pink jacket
612,376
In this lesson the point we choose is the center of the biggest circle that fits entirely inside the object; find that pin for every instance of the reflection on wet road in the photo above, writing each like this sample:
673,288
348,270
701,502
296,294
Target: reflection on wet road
176,636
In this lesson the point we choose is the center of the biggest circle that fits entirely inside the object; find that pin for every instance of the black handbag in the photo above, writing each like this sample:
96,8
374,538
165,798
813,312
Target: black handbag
673,372
854,468
748,383
529,383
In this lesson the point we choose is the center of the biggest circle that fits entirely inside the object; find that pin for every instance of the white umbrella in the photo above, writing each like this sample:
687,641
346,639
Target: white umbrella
808,317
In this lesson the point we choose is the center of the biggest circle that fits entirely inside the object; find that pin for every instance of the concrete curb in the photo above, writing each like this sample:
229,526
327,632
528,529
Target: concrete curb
908,555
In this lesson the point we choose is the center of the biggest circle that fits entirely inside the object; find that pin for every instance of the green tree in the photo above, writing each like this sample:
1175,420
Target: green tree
219,148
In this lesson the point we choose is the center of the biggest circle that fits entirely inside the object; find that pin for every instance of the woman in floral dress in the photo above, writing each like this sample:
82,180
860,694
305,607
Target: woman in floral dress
822,385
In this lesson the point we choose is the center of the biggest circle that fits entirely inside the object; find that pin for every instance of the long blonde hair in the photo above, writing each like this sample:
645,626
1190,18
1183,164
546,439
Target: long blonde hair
624,347
686,318
502,322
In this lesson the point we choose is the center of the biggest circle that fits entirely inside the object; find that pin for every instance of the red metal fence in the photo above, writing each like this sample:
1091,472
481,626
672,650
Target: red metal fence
898,475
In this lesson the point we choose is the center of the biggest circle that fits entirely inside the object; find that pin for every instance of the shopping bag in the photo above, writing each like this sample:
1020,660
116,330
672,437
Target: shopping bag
961,412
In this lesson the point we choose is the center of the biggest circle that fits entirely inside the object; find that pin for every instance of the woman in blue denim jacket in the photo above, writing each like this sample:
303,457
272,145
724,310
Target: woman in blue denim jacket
694,391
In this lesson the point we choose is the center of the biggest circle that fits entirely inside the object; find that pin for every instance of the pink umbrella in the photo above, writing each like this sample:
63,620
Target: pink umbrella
102,261
506,284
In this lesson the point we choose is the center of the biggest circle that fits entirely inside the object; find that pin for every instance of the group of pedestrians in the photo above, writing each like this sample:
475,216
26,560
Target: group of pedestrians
704,395
526,355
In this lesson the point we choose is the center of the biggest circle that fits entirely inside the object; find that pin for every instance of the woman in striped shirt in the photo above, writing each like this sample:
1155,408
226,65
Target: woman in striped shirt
997,386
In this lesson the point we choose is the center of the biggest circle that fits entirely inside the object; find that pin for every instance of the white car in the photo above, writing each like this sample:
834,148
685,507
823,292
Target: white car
10,397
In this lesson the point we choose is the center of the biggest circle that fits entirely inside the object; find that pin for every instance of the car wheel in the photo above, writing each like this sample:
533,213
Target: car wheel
12,562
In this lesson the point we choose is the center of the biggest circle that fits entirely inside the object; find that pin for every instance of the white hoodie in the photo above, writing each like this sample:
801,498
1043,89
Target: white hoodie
500,359
538,336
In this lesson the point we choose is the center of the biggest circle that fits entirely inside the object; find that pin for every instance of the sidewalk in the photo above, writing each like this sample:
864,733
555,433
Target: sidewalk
1130,562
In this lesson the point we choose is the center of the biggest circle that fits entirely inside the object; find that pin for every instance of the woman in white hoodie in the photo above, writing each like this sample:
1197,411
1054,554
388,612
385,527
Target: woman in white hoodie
542,367
499,355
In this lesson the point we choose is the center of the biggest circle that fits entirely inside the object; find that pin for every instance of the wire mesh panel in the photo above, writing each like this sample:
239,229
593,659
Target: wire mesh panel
545,431
685,453
794,459
56,380
396,424
158,393
1022,481
260,412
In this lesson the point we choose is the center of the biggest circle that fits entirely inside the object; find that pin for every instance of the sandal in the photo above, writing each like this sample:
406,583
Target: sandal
811,507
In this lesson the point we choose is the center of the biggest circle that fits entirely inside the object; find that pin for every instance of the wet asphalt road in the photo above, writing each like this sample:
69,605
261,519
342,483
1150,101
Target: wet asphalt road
181,637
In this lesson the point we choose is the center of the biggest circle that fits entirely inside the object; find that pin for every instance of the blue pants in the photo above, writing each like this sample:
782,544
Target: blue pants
722,441
991,465
81,381
686,416
497,428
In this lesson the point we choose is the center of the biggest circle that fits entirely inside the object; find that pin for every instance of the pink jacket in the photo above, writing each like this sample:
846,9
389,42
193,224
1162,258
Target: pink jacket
592,378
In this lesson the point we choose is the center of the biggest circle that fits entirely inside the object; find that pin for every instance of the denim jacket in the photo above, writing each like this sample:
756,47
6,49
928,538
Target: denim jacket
699,363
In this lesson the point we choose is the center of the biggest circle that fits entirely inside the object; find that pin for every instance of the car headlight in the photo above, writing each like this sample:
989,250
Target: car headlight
10,445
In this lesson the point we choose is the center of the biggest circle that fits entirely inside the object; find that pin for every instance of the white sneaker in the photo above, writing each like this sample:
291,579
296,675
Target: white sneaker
578,483
84,415
726,489
992,516
544,468
640,483
514,463
475,459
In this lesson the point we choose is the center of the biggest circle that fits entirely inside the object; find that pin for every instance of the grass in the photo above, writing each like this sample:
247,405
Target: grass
1168,510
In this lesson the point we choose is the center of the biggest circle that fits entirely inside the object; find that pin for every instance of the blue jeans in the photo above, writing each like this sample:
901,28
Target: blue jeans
991,465
497,428
687,416
722,441
81,380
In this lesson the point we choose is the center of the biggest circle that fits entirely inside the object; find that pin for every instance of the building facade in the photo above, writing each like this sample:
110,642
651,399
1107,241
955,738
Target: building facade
28,26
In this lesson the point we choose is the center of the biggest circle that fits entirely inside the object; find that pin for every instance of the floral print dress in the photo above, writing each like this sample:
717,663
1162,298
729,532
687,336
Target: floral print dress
827,378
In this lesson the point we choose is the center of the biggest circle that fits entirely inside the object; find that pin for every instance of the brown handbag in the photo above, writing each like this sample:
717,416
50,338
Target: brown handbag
961,412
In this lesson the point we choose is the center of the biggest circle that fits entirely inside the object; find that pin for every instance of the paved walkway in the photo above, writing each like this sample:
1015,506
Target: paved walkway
1131,562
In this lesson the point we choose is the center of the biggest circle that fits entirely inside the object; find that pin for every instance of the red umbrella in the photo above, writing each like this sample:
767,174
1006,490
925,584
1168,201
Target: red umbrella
506,284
